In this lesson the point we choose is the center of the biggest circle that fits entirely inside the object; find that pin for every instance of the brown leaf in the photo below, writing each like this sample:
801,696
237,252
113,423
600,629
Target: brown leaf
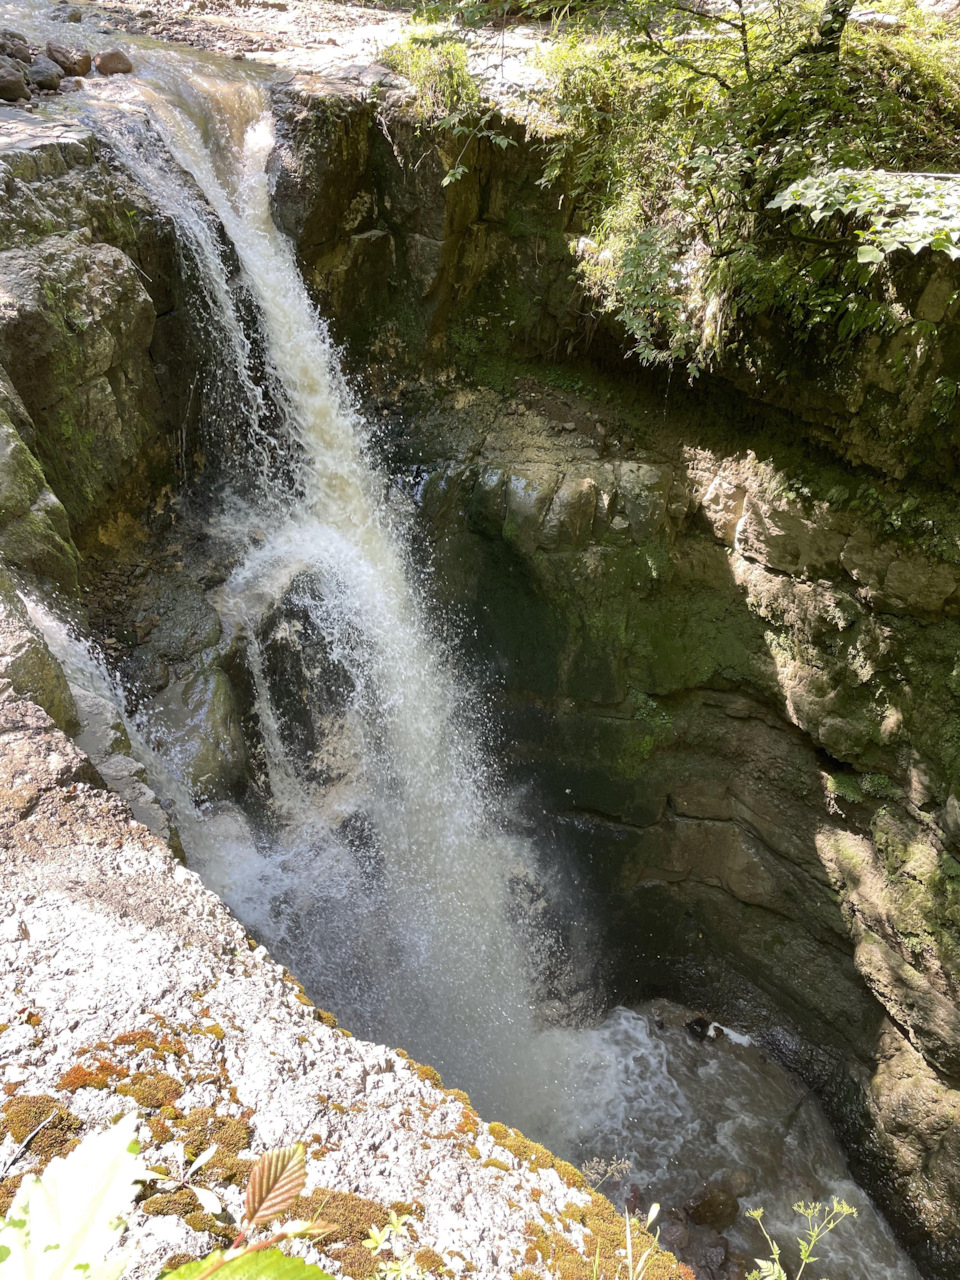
277,1179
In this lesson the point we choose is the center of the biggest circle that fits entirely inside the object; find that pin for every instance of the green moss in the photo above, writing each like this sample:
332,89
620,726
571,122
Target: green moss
352,1217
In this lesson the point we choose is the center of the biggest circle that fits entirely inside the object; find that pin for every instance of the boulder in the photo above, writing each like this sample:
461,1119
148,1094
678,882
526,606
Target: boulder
14,45
45,73
72,59
13,86
67,13
112,63
713,1207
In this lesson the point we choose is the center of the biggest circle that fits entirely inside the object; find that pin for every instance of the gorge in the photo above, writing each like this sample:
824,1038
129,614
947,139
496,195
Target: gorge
721,696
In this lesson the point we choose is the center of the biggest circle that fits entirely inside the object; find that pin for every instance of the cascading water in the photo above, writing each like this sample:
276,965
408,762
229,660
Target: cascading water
417,942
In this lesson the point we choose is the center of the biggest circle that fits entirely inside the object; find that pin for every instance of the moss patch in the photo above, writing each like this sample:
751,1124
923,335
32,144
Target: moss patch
152,1089
534,1155
19,1117
352,1216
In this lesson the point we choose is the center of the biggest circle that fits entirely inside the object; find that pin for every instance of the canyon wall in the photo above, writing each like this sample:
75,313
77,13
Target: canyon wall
727,657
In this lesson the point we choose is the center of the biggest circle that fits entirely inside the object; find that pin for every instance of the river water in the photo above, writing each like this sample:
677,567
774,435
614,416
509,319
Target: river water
427,951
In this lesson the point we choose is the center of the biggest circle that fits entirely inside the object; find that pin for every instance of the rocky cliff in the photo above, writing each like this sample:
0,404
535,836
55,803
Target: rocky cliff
727,658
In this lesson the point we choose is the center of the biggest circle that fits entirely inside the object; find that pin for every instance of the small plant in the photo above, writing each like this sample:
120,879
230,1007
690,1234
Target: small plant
820,1222
394,1237
597,1171
66,1221
275,1182
636,1271
209,1202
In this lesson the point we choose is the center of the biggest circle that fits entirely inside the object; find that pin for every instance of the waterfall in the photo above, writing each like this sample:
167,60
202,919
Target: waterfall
442,967
410,930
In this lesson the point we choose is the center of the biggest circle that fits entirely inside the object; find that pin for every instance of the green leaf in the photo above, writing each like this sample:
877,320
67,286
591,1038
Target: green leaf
67,1220
267,1264
869,253
277,1179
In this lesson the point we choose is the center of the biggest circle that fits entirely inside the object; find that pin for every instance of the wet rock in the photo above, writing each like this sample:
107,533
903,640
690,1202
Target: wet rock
72,59
196,723
698,1027
308,687
707,1253
173,622
569,522
674,1235
34,530
67,13
102,731
45,73
713,1207
113,62
27,667
13,84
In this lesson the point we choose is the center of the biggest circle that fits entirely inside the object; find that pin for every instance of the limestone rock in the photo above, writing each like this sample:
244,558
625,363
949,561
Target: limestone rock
896,581
644,492
35,760
72,59
568,524
785,541
722,504
113,62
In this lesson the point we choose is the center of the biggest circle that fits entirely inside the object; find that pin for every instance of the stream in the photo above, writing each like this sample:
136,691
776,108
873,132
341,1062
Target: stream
401,894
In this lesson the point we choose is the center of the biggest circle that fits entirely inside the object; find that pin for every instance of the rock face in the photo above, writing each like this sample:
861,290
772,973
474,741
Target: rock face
406,267
211,1043
94,368
741,707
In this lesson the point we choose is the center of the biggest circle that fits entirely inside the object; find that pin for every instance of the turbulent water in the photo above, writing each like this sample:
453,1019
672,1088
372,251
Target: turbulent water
409,930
